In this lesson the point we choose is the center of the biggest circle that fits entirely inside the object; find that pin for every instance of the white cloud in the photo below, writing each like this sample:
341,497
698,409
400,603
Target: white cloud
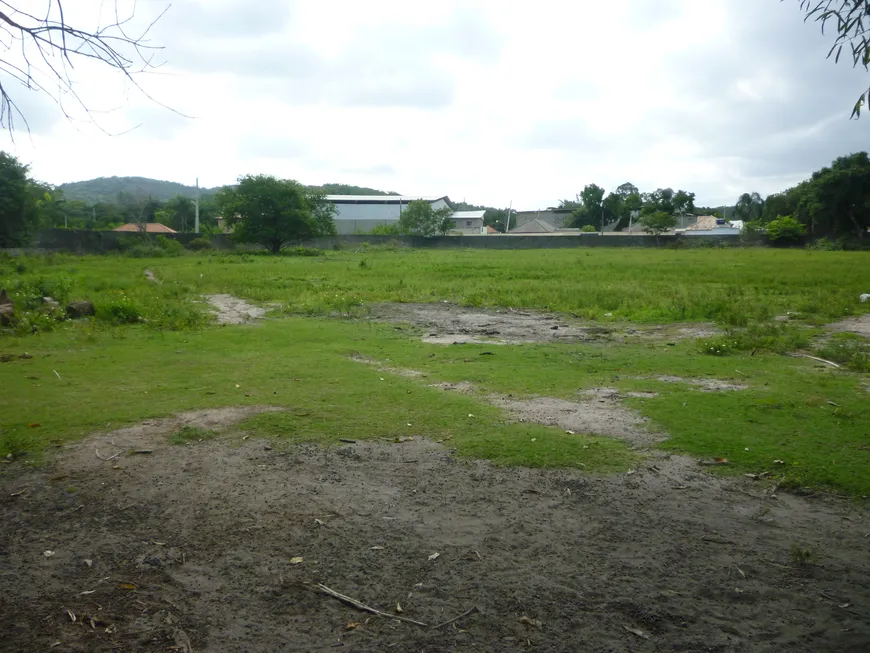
482,100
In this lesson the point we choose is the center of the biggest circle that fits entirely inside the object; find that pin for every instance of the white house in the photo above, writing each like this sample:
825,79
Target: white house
362,213
469,222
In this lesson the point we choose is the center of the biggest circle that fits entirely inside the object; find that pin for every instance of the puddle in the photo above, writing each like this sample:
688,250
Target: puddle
232,310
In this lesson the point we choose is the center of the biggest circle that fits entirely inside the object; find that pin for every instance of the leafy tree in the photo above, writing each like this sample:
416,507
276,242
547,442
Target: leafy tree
275,212
749,207
851,19
785,230
684,202
420,218
18,196
626,190
658,222
589,207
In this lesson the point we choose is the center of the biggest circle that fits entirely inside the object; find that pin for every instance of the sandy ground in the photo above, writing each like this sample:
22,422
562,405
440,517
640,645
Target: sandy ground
232,310
197,548
448,324
859,325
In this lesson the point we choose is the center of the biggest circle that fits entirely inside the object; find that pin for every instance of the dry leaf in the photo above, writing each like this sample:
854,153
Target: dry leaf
434,556
238,386
630,472
318,522
297,560
377,548
635,631
48,554
34,425
89,563
399,607
470,415
779,462
72,617
126,586
87,593
528,621
352,625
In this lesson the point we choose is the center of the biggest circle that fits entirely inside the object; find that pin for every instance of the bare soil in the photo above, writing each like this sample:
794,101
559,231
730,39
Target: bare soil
449,324
600,413
191,548
859,325
705,385
232,310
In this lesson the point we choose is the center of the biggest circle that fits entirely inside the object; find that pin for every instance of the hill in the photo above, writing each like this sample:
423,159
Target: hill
106,189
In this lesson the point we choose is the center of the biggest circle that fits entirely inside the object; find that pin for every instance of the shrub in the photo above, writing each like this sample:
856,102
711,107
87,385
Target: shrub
847,350
588,229
200,244
119,311
170,246
390,229
785,230
302,251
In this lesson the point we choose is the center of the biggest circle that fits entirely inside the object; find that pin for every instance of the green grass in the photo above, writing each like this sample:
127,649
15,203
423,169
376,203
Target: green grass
190,434
118,370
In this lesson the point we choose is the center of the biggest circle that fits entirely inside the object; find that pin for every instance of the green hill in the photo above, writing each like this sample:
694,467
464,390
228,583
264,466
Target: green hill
106,189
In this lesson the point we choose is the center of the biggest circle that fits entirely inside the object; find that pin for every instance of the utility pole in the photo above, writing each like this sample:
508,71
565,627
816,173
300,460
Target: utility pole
196,209
508,225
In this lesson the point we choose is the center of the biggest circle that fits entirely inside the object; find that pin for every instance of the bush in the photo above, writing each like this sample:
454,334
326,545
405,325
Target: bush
302,251
588,229
847,350
200,244
119,311
785,230
170,246
390,229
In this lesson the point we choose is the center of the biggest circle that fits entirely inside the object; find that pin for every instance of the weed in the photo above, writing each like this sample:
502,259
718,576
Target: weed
802,557
200,244
188,434
170,246
850,350
119,311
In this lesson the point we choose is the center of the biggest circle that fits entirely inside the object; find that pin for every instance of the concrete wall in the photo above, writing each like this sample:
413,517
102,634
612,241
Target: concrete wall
95,242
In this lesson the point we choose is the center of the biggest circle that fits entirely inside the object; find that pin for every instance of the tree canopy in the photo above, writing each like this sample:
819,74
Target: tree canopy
275,212
835,201
420,218
18,202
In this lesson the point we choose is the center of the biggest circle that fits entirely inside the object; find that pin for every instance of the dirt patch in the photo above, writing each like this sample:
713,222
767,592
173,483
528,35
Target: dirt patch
149,274
600,414
706,385
196,547
462,387
232,310
383,367
448,324
859,325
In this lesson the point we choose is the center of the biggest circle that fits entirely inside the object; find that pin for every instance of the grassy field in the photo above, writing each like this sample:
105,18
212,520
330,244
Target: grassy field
152,351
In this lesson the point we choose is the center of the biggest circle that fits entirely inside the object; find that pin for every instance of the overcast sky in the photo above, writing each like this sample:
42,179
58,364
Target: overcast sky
484,101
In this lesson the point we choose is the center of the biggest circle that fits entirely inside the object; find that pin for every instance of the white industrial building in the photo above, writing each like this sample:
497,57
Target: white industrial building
358,214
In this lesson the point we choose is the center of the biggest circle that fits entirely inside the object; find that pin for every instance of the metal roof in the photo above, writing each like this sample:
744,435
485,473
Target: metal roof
468,215
383,199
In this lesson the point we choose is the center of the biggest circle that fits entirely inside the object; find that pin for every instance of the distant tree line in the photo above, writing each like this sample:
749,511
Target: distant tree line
833,203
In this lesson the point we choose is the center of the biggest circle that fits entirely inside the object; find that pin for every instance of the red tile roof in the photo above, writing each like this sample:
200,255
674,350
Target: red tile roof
150,227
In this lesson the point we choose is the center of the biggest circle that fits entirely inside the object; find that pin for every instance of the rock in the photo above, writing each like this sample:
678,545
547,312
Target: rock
77,310
865,298
7,309
51,302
